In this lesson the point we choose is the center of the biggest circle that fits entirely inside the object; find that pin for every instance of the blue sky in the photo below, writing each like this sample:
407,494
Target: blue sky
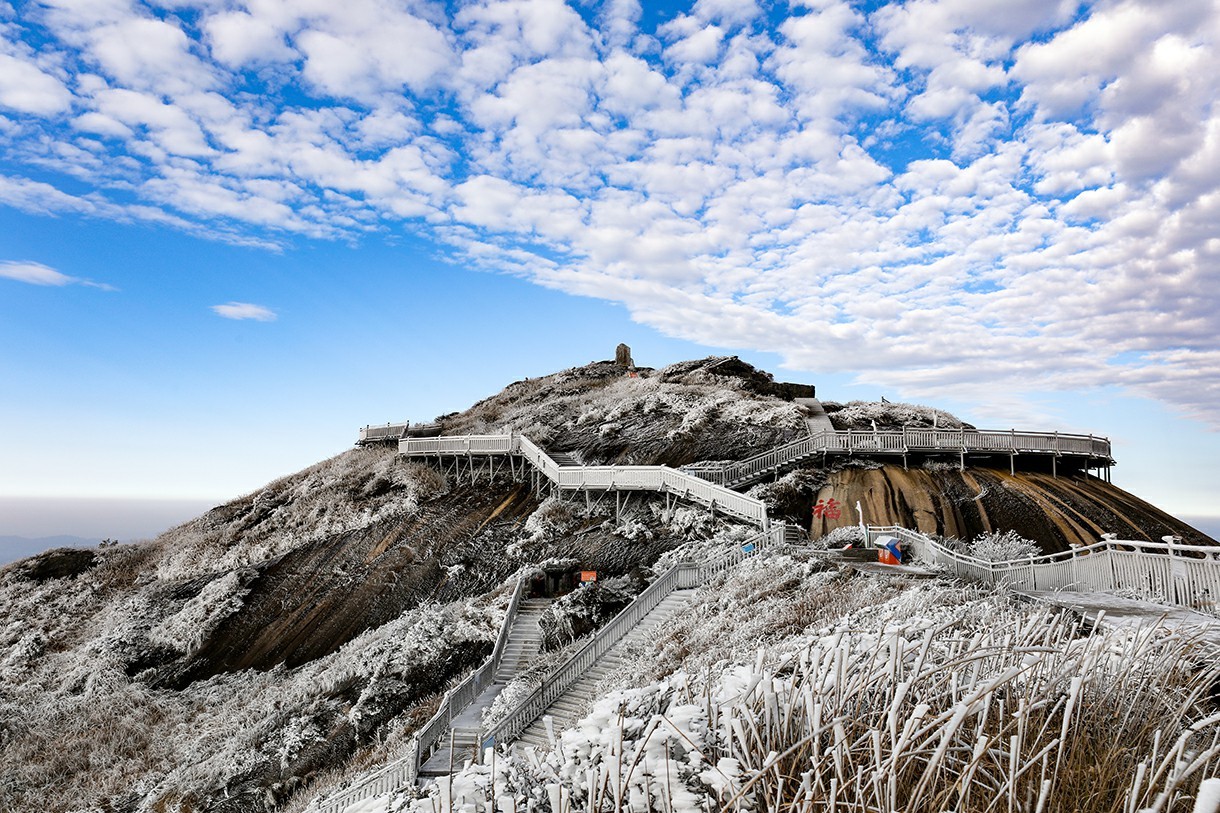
232,232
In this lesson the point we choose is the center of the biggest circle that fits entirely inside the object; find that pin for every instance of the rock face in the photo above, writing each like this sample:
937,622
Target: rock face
1056,512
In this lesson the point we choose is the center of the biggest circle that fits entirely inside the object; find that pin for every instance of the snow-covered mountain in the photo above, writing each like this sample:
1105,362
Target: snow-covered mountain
296,636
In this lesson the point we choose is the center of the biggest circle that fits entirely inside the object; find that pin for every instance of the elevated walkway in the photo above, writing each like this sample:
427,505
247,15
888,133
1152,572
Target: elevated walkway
1170,573
456,721
1086,451
559,477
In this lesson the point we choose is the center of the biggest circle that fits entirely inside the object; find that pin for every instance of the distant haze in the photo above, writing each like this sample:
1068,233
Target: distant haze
1208,525
121,519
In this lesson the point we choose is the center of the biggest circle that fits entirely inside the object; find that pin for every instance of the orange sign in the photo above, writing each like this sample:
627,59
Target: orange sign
587,576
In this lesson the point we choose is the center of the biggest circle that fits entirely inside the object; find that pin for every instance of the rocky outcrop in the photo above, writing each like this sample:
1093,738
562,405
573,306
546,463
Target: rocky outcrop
1054,511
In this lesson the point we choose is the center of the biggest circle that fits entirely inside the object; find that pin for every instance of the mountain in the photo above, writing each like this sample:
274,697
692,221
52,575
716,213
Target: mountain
262,652
13,548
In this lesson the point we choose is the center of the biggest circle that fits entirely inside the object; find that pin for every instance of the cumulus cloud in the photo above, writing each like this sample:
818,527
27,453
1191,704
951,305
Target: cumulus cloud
38,274
244,310
964,194
27,89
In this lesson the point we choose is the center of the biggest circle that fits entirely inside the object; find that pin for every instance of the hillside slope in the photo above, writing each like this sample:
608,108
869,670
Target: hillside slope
794,684
298,634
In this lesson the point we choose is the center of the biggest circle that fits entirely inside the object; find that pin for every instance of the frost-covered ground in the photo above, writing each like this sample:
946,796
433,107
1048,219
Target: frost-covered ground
98,713
676,415
889,415
280,644
791,686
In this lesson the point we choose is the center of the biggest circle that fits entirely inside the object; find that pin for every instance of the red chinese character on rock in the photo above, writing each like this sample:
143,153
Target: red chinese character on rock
828,509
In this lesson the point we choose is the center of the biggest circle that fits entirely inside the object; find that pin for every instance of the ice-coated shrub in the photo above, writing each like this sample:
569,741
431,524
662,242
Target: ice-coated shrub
1003,546
792,494
585,609
885,415
842,537
554,517
689,522
634,525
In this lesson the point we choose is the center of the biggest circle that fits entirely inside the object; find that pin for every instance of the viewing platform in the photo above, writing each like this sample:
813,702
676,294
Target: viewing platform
1084,452
1054,450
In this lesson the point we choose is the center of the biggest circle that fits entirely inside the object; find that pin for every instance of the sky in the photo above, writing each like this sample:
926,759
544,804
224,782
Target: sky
232,232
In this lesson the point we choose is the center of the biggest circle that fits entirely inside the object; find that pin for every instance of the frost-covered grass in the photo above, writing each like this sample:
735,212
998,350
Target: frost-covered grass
889,415
917,697
80,734
605,416
348,492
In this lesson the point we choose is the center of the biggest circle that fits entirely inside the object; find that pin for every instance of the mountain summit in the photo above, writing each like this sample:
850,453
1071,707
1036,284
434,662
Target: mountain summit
264,651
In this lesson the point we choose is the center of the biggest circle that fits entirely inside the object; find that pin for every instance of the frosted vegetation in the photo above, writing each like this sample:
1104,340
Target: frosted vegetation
675,415
787,684
82,724
79,729
346,493
87,727
788,687
1003,546
889,415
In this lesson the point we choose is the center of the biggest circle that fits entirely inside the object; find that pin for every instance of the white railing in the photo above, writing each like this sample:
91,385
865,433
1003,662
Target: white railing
594,478
405,770
1187,575
903,442
389,431
679,577
396,431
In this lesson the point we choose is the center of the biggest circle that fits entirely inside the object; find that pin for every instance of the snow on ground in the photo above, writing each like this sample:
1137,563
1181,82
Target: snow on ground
1132,612
889,415
77,726
350,491
790,682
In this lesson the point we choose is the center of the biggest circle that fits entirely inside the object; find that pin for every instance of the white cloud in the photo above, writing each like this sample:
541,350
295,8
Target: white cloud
916,194
26,89
39,274
244,310
238,38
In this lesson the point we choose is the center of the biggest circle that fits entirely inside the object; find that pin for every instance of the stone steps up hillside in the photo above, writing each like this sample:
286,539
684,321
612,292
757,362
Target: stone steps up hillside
573,704
522,647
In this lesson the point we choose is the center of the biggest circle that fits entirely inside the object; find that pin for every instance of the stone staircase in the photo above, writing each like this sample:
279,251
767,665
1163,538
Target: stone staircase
815,416
573,704
522,647
524,639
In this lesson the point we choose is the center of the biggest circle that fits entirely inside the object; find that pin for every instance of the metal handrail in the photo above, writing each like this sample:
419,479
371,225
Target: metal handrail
908,440
594,478
1187,575
681,576
514,604
389,431
405,769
